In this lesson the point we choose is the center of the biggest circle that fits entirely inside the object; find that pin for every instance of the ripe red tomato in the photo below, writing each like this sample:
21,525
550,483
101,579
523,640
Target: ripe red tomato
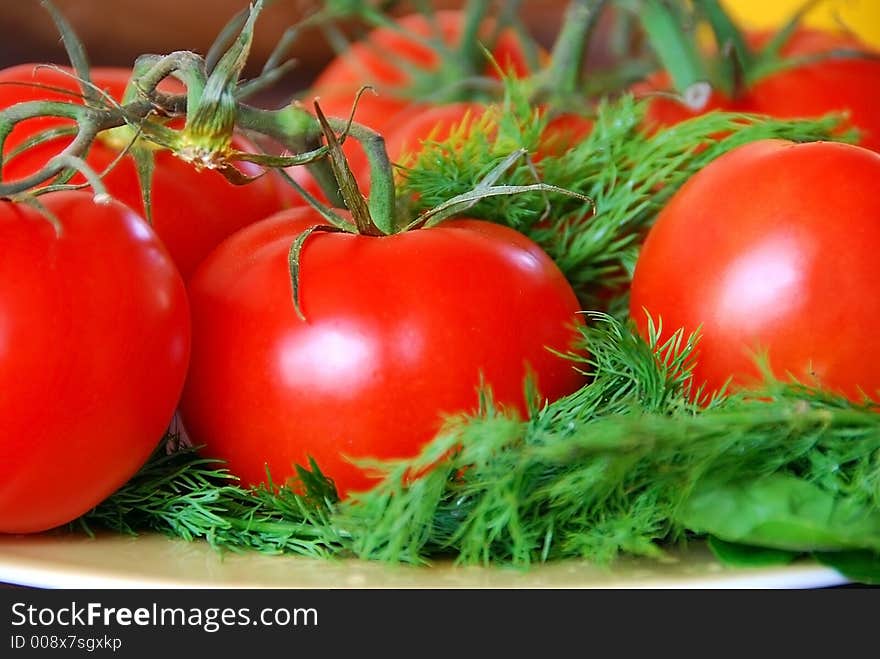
807,90
561,133
192,210
398,331
94,344
384,59
850,85
665,109
772,247
434,124
417,125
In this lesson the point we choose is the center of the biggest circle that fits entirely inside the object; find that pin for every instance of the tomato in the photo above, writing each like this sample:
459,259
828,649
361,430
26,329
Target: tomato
386,57
419,125
94,345
398,331
772,247
666,109
385,60
850,85
192,210
561,133
808,90
434,124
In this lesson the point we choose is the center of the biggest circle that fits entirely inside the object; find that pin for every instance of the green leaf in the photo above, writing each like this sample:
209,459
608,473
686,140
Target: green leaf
859,566
739,555
780,511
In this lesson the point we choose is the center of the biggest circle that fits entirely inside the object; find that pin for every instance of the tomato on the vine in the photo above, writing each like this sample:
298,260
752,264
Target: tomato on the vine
387,60
387,57
435,124
420,126
849,85
805,89
94,345
772,248
192,210
398,331
667,109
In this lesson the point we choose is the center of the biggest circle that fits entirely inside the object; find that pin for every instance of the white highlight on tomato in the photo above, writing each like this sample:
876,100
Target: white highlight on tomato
341,357
762,284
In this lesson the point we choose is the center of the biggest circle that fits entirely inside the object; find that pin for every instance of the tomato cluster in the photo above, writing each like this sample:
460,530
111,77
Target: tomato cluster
392,333
280,339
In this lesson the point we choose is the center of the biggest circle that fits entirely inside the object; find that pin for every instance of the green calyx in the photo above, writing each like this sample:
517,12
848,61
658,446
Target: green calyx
139,125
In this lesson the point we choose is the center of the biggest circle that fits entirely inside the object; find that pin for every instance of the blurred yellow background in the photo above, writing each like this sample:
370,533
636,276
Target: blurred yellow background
860,16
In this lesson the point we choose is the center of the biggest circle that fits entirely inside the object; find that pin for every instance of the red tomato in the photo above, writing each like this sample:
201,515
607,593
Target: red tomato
398,331
561,132
416,126
383,60
808,90
94,344
429,124
386,57
665,109
849,85
419,125
772,247
192,210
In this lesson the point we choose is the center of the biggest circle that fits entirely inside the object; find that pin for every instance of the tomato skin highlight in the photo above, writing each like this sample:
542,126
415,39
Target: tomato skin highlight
192,210
94,345
772,248
398,330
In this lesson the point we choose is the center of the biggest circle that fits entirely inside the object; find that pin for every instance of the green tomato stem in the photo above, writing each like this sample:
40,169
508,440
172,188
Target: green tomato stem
570,48
296,130
150,70
736,58
383,197
348,187
673,45
89,122
76,52
470,54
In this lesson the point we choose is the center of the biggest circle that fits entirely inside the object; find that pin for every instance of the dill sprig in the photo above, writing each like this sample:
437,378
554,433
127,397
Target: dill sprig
181,494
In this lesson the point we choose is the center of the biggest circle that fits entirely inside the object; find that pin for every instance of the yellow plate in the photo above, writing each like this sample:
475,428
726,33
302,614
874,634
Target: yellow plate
152,561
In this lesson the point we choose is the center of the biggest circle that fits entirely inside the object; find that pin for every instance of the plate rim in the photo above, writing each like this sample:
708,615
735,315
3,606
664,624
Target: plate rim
18,569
